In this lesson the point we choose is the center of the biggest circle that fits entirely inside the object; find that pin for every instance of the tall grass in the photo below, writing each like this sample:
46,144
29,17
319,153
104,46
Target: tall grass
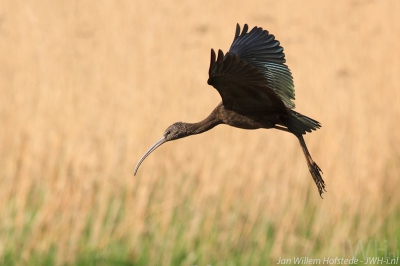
87,87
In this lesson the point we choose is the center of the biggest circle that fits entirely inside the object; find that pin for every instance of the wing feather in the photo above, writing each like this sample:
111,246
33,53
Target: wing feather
243,88
260,49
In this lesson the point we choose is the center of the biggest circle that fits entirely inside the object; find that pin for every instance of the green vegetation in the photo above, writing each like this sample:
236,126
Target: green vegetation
218,239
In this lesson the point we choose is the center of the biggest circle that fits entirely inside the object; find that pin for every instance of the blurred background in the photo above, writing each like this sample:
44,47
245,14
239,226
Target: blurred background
87,87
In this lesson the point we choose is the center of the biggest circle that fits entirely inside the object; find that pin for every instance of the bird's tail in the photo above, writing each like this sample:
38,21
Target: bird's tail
299,124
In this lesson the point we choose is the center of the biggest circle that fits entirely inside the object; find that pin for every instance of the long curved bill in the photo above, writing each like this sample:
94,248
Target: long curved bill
159,142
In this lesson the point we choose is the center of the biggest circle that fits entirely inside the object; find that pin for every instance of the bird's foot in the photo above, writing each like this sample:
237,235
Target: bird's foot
316,174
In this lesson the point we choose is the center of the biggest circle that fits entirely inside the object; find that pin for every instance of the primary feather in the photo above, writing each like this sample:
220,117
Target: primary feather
243,88
260,49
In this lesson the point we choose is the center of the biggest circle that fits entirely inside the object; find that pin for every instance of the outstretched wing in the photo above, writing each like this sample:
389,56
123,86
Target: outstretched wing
243,88
260,49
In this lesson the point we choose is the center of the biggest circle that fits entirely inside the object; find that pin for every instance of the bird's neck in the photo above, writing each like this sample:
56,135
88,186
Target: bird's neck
211,121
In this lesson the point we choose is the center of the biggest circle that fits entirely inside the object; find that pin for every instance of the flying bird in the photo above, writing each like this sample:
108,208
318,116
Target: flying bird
257,91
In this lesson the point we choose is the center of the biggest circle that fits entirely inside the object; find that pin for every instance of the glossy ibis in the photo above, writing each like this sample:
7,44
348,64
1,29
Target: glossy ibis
257,90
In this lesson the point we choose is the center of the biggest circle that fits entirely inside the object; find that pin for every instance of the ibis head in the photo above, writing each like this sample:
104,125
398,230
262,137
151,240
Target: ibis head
175,131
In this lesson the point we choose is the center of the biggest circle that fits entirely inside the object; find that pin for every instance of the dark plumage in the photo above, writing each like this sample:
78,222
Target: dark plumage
257,91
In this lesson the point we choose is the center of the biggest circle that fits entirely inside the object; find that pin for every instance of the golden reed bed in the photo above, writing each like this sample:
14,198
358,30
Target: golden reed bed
87,87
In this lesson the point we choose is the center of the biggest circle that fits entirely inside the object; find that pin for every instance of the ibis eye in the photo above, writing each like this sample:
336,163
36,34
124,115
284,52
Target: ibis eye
167,132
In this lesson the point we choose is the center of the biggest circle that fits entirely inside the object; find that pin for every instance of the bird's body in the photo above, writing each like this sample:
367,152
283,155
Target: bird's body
257,90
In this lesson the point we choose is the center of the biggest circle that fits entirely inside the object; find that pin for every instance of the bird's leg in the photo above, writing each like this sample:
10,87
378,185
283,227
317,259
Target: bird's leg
312,166
281,128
